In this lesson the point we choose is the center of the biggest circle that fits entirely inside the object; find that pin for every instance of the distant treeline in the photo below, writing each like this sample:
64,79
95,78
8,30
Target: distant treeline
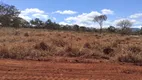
9,17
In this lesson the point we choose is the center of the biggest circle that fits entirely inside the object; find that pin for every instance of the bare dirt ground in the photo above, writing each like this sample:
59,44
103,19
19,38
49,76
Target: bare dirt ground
43,70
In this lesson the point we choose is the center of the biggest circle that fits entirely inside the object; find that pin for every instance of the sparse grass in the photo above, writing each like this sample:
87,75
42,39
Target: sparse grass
131,58
38,43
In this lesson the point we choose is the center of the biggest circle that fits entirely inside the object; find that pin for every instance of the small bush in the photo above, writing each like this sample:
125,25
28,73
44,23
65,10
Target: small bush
42,46
17,33
131,58
78,39
26,35
4,52
85,53
72,52
108,51
87,45
134,49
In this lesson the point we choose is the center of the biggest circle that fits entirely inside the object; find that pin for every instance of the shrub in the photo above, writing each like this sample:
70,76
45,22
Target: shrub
4,52
78,39
134,49
87,45
42,46
72,52
26,34
131,58
111,29
108,51
17,33
85,53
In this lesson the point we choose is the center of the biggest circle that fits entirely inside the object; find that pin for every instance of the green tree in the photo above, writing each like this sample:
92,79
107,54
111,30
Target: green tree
76,27
49,24
52,25
37,23
83,28
99,20
111,29
7,14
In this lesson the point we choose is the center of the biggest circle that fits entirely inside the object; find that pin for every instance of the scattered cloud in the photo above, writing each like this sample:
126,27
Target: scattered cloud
25,17
32,10
54,19
137,15
69,12
86,19
31,13
107,11
41,16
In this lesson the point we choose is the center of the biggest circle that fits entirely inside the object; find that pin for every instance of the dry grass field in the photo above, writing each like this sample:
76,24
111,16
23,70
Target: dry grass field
37,54
39,44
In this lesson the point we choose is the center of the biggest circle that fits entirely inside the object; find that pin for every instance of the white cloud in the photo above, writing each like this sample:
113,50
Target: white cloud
107,11
42,16
32,10
31,13
137,15
86,19
25,17
66,12
54,19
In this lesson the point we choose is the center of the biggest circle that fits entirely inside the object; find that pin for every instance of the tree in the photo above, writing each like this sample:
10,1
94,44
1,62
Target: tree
76,27
125,26
7,14
24,23
52,25
99,20
16,22
37,22
49,24
125,23
111,29
82,28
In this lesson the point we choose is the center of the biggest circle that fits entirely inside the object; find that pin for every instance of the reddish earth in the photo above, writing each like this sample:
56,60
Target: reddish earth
41,70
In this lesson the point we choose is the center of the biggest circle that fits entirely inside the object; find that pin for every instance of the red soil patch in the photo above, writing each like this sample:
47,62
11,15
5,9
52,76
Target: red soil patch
42,70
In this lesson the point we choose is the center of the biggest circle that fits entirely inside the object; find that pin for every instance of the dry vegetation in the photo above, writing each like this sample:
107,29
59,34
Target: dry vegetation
38,44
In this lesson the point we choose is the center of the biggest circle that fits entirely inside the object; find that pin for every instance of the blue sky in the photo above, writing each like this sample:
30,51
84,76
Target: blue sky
80,12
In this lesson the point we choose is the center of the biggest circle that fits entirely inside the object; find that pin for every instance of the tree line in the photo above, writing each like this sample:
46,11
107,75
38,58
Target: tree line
9,17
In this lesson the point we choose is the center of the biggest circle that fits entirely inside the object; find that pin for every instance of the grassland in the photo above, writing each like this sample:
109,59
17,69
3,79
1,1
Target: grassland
39,44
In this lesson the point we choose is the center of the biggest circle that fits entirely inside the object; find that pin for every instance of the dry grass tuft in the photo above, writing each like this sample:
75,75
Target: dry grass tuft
108,51
26,34
87,45
42,46
59,42
131,58
72,52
